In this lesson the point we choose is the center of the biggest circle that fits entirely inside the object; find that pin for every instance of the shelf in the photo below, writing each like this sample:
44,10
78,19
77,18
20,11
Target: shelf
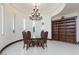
64,30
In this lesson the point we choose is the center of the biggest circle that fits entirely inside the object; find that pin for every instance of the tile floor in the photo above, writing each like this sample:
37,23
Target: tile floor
54,48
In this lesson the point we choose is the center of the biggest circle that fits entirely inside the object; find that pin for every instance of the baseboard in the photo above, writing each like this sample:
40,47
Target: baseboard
49,39
9,45
77,42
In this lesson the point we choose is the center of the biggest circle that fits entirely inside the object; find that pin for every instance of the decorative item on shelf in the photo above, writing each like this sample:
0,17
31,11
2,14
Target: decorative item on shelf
35,15
62,17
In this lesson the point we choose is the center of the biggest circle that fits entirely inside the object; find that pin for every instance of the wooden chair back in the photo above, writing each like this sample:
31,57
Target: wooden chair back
25,37
42,34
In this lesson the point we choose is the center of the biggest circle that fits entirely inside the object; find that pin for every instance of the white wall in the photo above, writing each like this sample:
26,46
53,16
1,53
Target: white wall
77,29
9,36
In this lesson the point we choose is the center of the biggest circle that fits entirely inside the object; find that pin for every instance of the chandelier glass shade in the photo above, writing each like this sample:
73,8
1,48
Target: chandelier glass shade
35,15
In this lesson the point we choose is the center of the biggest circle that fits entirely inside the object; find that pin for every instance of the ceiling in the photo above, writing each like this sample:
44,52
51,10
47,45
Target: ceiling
45,8
70,8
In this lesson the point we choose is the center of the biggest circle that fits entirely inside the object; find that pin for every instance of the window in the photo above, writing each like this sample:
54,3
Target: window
2,19
24,24
14,23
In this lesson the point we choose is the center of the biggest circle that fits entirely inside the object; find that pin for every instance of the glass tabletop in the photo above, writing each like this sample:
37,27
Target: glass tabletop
36,38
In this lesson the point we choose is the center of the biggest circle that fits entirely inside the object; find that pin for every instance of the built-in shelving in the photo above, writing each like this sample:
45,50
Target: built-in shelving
64,29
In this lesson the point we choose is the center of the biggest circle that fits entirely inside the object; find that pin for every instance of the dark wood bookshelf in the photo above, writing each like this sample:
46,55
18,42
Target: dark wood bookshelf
64,29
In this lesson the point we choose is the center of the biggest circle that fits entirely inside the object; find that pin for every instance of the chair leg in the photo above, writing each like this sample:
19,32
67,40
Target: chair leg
42,45
24,46
28,45
46,44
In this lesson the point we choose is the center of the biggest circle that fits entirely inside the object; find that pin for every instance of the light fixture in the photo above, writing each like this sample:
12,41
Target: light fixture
35,15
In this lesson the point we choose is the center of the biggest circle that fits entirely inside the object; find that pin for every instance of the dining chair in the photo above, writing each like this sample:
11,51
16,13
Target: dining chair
42,39
26,40
42,34
28,35
45,38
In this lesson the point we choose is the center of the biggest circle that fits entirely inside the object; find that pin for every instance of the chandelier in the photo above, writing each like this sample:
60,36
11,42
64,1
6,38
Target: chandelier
35,15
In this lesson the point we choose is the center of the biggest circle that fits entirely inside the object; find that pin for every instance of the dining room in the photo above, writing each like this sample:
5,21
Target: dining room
39,28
